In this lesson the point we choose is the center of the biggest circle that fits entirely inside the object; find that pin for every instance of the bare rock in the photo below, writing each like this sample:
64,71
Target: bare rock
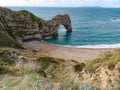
20,26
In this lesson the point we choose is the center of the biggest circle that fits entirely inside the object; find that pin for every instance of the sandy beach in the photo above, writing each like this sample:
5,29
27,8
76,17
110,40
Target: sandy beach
67,53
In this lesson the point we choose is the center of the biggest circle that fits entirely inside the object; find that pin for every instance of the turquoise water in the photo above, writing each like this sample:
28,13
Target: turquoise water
92,27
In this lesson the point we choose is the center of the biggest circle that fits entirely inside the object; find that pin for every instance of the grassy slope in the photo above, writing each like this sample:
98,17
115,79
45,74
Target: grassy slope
109,59
32,72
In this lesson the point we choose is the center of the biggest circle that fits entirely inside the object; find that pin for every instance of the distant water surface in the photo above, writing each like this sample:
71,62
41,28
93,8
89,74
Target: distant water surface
92,27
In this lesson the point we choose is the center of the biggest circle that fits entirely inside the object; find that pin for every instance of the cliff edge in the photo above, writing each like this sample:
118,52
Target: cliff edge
20,26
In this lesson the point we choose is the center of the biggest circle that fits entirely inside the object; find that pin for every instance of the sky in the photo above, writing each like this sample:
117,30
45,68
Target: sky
61,3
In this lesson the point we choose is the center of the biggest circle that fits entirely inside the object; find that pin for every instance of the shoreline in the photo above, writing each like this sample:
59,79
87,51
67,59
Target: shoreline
101,46
67,53
80,47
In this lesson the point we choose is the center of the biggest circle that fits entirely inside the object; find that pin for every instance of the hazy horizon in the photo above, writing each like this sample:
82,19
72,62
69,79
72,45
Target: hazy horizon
61,3
62,6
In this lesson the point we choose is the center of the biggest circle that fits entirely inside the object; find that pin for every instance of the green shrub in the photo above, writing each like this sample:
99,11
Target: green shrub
42,73
45,61
79,67
6,58
6,70
5,61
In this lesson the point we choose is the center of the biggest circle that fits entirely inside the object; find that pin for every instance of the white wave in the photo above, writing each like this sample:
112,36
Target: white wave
94,46
115,19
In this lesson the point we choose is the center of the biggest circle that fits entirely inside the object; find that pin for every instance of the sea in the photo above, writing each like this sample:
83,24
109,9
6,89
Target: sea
93,27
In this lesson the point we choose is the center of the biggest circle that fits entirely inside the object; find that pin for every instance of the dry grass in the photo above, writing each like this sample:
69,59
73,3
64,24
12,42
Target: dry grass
110,59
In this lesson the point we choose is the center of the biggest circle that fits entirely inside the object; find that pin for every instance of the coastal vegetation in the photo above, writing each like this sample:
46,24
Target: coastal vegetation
79,67
109,59
29,71
22,69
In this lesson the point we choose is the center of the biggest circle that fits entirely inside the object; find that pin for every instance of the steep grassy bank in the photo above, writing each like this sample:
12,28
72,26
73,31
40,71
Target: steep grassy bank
22,69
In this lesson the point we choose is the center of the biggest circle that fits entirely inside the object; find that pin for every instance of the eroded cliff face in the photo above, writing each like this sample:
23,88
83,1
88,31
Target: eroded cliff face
23,26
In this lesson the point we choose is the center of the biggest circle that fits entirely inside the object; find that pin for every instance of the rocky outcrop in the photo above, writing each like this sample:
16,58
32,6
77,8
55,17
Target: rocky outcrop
53,24
23,26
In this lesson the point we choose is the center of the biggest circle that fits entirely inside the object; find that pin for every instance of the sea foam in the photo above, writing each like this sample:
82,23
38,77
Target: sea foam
94,46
